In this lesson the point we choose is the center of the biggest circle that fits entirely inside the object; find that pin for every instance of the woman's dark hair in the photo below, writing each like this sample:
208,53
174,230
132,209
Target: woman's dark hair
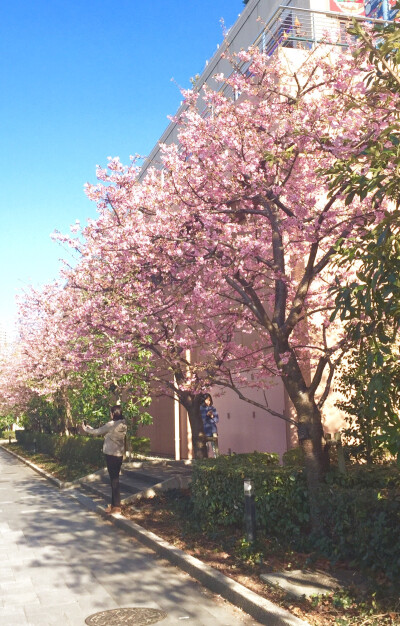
116,412
205,396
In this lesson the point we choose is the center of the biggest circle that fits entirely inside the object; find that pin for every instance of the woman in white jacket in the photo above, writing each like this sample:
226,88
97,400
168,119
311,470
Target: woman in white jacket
113,448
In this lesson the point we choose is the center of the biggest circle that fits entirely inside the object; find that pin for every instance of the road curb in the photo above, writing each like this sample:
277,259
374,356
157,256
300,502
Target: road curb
261,609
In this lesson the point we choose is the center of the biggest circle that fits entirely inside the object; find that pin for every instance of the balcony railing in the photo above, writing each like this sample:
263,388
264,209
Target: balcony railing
301,29
293,27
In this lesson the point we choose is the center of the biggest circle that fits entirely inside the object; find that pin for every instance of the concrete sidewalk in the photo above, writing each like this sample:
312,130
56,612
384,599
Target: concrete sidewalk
61,563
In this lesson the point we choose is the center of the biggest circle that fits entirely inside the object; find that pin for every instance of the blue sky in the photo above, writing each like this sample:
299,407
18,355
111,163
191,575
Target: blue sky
81,81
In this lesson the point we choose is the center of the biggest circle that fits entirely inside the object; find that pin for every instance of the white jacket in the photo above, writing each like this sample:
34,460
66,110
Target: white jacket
114,440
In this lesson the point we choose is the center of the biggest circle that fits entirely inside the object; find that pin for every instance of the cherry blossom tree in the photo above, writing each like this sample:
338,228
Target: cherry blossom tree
47,368
241,217
128,302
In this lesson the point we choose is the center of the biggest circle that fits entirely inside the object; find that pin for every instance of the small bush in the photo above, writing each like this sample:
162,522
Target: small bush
77,450
20,436
74,449
366,476
361,525
39,442
293,457
280,494
7,433
140,445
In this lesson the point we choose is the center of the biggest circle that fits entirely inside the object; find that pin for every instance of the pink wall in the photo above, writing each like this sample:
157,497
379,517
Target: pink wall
242,426
245,428
161,432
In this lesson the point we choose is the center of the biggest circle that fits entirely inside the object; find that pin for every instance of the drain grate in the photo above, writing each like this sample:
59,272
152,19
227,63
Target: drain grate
126,617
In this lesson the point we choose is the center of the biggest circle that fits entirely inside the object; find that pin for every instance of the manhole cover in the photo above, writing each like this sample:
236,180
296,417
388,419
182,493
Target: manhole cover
126,617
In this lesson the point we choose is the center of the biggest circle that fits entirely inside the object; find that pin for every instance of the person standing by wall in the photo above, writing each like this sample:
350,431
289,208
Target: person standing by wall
210,419
113,448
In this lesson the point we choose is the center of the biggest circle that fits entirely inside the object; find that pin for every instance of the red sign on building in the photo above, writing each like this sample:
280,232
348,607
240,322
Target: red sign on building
352,7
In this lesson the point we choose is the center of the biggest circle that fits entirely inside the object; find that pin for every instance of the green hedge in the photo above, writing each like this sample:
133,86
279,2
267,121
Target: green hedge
40,442
372,476
140,445
5,434
361,525
280,493
293,457
73,449
360,513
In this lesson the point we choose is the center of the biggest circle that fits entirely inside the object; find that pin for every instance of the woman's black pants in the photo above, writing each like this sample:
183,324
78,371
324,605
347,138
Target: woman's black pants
114,467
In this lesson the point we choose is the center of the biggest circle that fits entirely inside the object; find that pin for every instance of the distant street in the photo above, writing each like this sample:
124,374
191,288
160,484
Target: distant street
60,564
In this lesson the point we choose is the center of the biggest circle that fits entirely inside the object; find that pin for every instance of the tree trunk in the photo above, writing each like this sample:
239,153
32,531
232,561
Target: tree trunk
191,402
316,457
115,393
68,425
310,433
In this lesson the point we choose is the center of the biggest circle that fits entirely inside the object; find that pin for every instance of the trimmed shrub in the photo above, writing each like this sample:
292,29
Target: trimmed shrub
280,494
76,450
362,525
40,442
293,457
21,437
360,512
140,445
373,476
73,450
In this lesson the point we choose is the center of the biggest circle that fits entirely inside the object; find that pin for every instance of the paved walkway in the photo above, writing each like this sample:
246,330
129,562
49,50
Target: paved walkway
60,563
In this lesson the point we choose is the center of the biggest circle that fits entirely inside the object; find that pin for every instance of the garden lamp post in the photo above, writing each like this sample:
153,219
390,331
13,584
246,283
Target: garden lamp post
249,510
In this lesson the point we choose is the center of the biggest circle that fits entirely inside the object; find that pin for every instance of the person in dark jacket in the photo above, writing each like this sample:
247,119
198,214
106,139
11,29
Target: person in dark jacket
113,448
210,419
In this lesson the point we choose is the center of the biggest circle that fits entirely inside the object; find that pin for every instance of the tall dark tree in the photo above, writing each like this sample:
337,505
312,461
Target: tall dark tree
369,305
